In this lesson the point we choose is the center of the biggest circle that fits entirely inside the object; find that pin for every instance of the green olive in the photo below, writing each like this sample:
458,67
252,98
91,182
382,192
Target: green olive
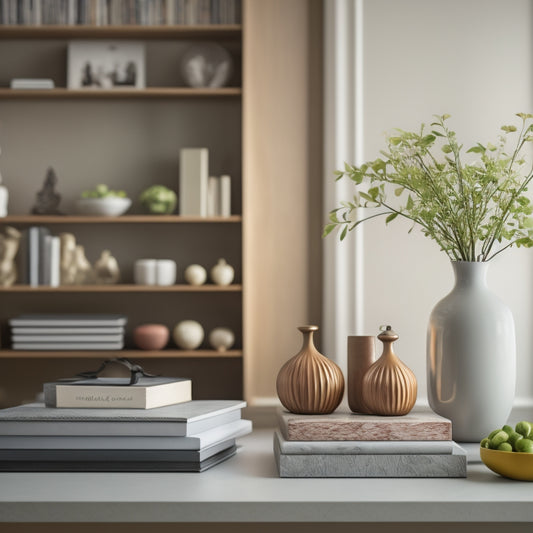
508,429
524,446
500,437
524,428
505,447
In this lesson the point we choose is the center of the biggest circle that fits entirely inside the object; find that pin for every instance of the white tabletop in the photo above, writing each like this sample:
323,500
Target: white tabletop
246,488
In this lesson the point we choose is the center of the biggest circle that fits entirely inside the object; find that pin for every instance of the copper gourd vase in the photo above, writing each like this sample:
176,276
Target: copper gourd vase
310,383
389,386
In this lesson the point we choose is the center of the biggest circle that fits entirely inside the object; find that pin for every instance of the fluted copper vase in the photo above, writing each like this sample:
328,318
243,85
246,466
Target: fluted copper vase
310,383
389,386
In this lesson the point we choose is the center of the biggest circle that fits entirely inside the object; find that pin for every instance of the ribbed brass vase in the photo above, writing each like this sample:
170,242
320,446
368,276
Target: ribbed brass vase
310,383
389,386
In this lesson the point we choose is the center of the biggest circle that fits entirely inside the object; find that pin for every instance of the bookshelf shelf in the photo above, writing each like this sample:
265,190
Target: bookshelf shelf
124,219
133,354
215,31
122,288
149,92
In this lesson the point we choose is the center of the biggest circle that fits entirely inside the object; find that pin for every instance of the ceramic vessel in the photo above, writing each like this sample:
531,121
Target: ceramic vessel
112,206
471,355
188,334
389,386
222,273
144,272
361,356
221,339
151,336
206,65
195,275
165,272
106,269
310,383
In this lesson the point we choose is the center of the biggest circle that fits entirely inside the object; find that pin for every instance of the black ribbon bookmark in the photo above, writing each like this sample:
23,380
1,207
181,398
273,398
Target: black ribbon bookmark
136,371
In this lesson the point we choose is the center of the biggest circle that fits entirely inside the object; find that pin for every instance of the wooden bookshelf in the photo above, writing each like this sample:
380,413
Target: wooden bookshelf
149,92
130,354
210,31
123,287
124,219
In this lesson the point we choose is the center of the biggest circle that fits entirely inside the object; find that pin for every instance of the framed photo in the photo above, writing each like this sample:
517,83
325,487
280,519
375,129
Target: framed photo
105,65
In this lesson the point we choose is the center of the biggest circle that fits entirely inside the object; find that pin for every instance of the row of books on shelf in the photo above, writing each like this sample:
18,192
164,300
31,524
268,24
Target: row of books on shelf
182,435
119,12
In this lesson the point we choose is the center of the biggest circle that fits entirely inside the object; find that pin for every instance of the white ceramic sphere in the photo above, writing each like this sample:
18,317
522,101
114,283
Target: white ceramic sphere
222,273
221,339
188,334
195,275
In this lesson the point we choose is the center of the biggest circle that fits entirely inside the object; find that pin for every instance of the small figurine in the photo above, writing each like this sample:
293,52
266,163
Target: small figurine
106,269
84,271
9,245
68,258
47,198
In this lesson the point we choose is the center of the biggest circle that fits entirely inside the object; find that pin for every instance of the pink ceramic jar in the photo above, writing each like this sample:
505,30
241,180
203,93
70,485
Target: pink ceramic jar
151,336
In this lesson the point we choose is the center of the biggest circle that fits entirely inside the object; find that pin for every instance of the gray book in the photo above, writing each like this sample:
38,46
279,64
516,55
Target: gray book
115,455
33,256
117,466
178,420
62,337
232,430
369,466
68,320
370,447
50,330
58,346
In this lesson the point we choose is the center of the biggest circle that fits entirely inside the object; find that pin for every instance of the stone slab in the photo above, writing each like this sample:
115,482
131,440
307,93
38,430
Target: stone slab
345,425
342,447
371,466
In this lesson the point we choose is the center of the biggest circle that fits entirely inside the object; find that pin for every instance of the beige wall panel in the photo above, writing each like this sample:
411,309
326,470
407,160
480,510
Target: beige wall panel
282,162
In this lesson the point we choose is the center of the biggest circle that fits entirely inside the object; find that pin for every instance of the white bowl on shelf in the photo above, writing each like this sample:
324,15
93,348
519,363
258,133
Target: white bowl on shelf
112,206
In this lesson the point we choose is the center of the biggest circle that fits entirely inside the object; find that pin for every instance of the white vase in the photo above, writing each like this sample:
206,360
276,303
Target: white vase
471,356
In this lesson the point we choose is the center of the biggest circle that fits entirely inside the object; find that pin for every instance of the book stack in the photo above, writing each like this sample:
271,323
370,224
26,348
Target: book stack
345,444
68,332
185,437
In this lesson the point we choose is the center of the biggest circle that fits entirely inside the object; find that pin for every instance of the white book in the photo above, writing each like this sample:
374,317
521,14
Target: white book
147,393
31,83
180,420
67,331
68,338
72,319
60,346
225,196
33,256
213,196
231,430
55,262
194,168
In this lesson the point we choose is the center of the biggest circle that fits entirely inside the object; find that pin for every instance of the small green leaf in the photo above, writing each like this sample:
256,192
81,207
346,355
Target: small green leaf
344,231
328,229
391,217
399,191
447,149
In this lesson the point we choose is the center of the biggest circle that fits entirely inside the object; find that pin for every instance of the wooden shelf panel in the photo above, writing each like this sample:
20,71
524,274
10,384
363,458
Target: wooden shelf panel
130,354
123,288
149,92
211,31
124,219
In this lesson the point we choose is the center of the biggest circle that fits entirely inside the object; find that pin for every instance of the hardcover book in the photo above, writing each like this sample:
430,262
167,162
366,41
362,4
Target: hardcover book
345,425
147,393
177,420
72,319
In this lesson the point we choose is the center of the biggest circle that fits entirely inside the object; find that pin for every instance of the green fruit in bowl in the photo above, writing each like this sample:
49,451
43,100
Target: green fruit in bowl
103,191
524,428
524,446
159,200
508,439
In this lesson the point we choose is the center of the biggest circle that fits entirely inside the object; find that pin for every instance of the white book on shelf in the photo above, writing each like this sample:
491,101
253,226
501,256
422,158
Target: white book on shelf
225,196
213,196
55,261
33,256
194,167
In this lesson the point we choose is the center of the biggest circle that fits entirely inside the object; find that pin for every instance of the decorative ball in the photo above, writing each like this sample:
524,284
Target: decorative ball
206,65
222,273
221,339
151,336
195,275
188,334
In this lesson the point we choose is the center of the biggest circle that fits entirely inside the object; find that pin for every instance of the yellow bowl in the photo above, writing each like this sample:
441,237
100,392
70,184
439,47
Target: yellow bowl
514,465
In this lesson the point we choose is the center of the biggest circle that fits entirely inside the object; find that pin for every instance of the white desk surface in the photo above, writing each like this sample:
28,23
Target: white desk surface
246,488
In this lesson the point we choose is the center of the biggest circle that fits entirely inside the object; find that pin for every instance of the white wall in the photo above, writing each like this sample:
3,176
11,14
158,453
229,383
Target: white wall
471,59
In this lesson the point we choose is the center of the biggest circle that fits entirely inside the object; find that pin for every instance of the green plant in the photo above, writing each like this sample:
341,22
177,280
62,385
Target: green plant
473,210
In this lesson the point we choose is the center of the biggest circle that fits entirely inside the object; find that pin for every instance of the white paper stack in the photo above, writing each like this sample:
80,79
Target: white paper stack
68,332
